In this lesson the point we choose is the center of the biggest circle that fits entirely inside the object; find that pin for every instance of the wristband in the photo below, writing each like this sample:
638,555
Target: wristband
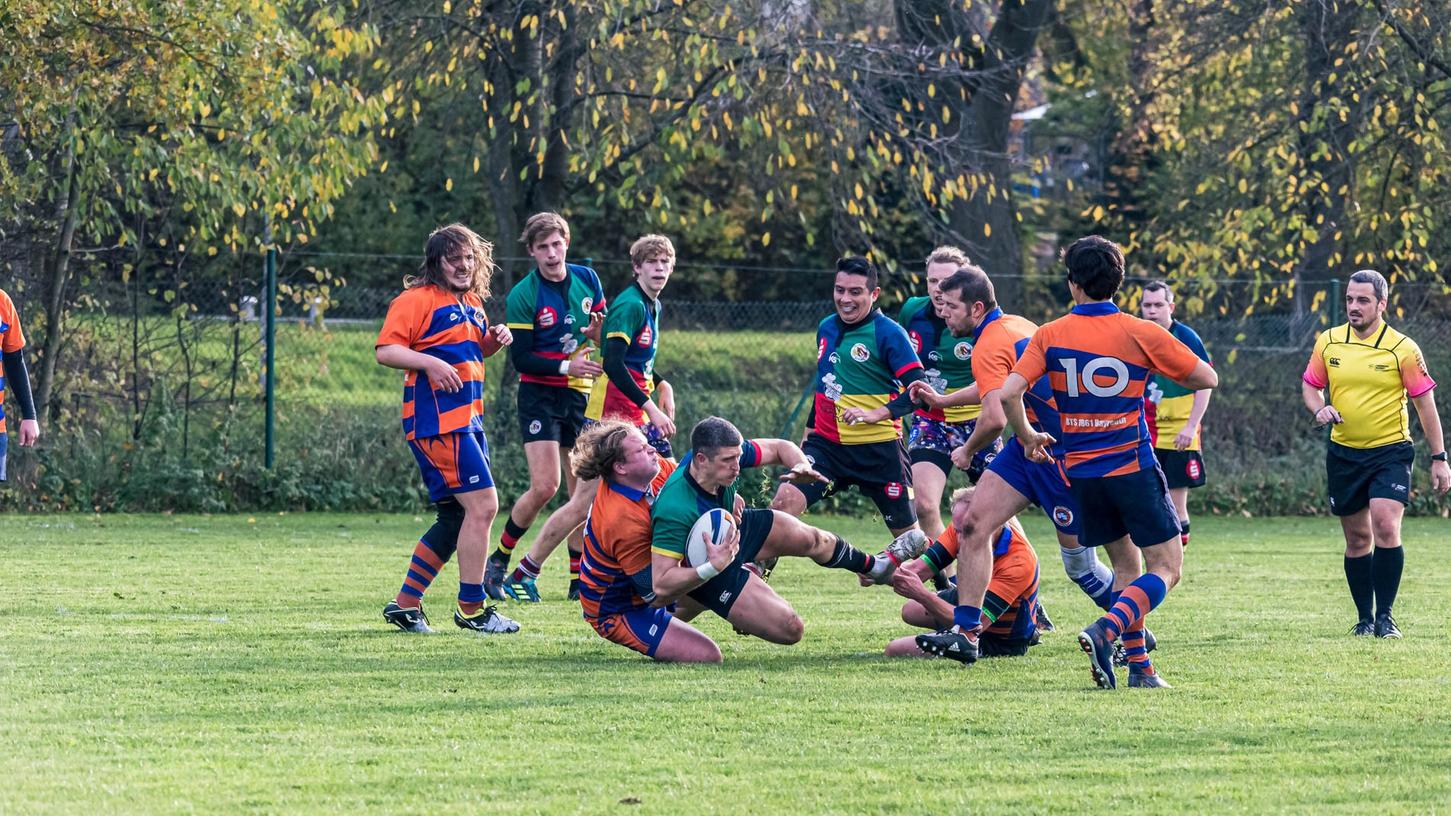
707,571
564,366
1438,457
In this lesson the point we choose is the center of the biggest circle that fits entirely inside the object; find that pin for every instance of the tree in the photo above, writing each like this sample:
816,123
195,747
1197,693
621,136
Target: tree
161,127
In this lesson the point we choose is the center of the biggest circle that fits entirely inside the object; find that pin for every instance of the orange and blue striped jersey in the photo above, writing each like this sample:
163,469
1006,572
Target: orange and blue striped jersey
617,545
634,317
556,312
1012,589
1167,404
1369,380
859,366
1098,361
11,339
948,359
998,342
452,328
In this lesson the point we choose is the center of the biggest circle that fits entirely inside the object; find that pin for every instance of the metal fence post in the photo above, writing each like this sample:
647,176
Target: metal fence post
1335,302
270,360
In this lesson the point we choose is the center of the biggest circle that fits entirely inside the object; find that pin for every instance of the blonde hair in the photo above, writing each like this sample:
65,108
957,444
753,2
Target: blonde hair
446,241
540,225
947,254
648,246
599,449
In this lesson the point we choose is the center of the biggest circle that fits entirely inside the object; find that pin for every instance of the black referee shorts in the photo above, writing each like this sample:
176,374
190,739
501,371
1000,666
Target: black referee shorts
1354,476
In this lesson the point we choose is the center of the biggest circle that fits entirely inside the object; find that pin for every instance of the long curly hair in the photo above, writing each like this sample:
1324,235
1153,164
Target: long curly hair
451,240
599,449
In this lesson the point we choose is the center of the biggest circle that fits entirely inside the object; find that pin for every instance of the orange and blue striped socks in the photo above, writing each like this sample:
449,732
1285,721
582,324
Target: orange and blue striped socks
1136,601
423,567
1138,656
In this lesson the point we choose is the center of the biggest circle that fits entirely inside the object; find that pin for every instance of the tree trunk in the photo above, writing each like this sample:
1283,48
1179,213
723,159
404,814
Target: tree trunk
1329,27
55,296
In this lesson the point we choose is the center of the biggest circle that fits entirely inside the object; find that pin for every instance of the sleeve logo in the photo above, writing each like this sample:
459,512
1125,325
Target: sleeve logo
962,351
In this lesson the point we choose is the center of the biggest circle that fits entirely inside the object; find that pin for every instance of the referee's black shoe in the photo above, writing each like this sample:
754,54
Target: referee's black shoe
1385,626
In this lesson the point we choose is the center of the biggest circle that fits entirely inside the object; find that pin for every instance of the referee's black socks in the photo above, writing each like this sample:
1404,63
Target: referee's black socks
1359,574
1387,577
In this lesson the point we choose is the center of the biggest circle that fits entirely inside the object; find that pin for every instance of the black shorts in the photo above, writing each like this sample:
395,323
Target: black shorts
1354,476
1181,468
1134,504
994,646
550,413
719,594
880,470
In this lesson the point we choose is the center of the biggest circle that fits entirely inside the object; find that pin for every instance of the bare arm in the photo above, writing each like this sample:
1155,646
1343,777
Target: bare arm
441,375
1185,438
674,578
990,423
1431,427
1315,401
1203,376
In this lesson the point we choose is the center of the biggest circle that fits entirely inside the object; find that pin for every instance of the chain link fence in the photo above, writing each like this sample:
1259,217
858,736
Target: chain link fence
159,393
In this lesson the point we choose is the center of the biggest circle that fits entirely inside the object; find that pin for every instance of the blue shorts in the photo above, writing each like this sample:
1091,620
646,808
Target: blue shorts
453,463
641,629
4,451
1135,505
1043,484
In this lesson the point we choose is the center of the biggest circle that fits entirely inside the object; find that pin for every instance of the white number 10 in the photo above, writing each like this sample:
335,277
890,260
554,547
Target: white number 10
1109,365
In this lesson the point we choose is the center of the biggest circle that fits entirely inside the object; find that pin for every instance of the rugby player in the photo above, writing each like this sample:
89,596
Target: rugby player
549,313
937,432
616,594
1009,607
1369,370
1174,413
16,378
1011,481
706,479
854,436
628,391
438,332
1098,361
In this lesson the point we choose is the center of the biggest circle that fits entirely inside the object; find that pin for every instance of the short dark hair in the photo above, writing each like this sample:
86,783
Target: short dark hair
1376,280
972,285
1160,286
713,433
857,265
1096,265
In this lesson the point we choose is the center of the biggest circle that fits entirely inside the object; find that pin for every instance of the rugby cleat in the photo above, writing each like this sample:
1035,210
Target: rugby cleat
1385,626
1146,680
950,643
522,590
1041,619
486,621
573,589
1121,657
1099,647
409,619
494,571
1364,628
904,548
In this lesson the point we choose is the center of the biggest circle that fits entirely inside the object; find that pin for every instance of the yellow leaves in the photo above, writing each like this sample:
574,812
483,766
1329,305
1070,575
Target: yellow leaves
448,184
383,168
447,7
1243,186
765,238
987,230
476,164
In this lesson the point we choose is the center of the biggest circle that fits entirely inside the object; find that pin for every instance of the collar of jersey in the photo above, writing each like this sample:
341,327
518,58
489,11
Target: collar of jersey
846,327
1004,540
690,480
1098,309
653,302
996,313
628,492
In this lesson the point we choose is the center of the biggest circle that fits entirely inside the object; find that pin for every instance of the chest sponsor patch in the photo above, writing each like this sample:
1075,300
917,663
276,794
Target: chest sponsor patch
546,318
860,354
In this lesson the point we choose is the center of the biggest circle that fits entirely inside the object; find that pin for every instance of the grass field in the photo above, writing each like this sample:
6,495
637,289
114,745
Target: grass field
166,664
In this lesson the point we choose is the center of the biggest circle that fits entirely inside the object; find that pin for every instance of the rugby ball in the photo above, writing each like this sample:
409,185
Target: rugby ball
715,525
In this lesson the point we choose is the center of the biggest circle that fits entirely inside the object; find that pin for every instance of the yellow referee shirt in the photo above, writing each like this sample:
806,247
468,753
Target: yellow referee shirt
1369,380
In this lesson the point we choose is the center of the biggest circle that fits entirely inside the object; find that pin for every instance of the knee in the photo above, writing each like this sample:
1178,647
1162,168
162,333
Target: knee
544,488
1387,532
792,630
925,505
788,501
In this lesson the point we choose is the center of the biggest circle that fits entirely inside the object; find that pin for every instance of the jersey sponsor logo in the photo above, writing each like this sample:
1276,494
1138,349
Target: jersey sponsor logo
535,426
1154,393
645,337
893,490
935,379
916,341
473,480
933,357
1088,379
963,351
821,349
1381,367
1334,361
831,388
1192,469
1062,516
547,317
569,320
835,358
568,344
860,354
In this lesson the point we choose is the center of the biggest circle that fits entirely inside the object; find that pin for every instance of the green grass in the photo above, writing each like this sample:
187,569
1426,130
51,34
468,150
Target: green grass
162,664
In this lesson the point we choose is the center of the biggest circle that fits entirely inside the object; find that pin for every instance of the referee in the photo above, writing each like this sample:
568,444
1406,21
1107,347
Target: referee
1369,370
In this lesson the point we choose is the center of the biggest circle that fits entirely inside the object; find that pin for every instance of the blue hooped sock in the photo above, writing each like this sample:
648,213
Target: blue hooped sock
470,597
967,618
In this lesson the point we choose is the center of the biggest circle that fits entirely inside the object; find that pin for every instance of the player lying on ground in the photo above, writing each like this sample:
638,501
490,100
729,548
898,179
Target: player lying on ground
707,478
437,331
1009,609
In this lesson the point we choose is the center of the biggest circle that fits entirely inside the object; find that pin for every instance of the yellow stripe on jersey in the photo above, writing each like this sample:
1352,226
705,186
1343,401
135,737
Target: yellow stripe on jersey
889,430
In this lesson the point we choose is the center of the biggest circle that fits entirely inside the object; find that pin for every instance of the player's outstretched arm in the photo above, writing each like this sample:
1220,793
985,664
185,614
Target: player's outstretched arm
923,392
1431,427
1010,397
787,453
441,375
